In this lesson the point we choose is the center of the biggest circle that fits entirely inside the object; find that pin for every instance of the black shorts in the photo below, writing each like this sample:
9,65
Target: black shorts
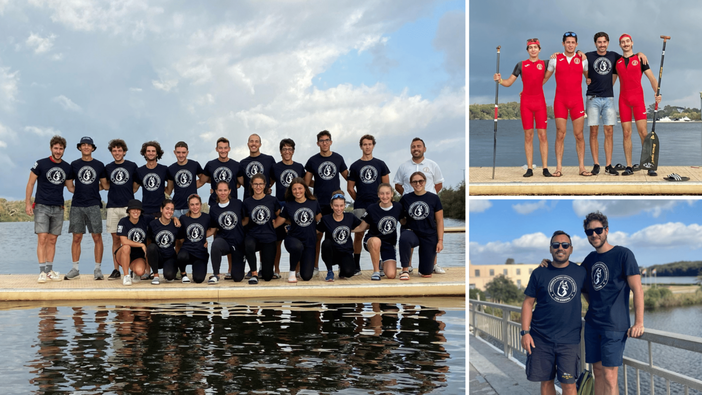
134,254
547,359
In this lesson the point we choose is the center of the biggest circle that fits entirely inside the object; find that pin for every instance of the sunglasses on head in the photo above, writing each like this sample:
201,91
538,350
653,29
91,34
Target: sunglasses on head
555,245
595,230
570,34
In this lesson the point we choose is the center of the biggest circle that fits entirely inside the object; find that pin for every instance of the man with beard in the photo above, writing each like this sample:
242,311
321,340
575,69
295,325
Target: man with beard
153,178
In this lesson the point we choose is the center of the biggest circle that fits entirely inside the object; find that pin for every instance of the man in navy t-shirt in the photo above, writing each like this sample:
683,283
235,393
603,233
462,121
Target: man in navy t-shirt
223,168
185,178
613,274
256,162
50,174
153,179
551,332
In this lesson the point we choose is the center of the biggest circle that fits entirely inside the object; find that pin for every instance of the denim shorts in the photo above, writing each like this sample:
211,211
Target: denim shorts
600,106
605,346
48,219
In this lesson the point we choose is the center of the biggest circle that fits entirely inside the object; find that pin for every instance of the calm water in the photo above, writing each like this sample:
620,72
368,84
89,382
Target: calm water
681,144
669,280
394,347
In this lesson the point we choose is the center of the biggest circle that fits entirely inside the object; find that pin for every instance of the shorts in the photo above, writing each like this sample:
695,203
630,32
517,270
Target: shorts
114,214
605,346
387,250
358,212
82,217
533,109
548,359
564,103
134,254
632,102
326,209
601,106
48,219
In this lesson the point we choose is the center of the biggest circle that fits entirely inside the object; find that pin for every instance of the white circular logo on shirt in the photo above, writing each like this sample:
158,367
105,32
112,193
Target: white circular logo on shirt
287,176
341,234
418,210
540,66
304,217
254,167
195,232
164,239
136,235
87,175
56,175
183,178
327,170
599,275
634,62
119,176
562,288
222,174
368,174
152,182
602,66
576,60
386,225
260,215
227,220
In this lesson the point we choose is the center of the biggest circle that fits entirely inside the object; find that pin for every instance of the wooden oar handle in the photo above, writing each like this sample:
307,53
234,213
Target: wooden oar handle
500,46
665,38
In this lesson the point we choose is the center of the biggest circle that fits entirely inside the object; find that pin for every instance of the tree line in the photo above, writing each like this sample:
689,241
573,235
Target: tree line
510,110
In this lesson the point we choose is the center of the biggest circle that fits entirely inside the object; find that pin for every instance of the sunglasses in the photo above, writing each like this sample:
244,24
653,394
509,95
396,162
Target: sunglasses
564,245
595,230
570,34
418,182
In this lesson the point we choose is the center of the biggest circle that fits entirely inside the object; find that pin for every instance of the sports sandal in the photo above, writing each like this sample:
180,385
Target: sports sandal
619,166
676,177
253,280
627,172
404,276
375,276
610,171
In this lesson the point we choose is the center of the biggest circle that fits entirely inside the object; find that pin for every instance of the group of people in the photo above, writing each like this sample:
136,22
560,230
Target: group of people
551,332
160,232
601,69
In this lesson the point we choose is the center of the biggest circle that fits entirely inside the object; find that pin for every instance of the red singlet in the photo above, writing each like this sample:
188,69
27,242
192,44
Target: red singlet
532,105
569,90
631,94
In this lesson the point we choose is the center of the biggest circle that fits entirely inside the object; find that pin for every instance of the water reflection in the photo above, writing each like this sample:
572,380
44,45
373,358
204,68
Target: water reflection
231,348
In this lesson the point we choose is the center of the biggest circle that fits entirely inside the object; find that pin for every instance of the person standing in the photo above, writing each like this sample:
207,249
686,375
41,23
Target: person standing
365,176
50,175
223,168
120,175
153,178
255,163
532,103
185,177
89,178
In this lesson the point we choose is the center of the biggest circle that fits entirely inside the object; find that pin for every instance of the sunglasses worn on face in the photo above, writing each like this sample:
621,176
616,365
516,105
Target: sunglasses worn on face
418,182
596,230
555,245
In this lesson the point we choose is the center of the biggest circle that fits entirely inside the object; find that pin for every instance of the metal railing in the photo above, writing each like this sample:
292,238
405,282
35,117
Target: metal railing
506,331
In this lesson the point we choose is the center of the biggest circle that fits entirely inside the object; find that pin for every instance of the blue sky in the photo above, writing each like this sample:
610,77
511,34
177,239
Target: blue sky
195,71
657,231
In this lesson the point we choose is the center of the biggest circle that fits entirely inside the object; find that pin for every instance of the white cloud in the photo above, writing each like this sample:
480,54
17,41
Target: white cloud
42,132
56,56
67,103
671,235
135,89
40,44
478,205
624,208
451,39
528,208
165,86
8,88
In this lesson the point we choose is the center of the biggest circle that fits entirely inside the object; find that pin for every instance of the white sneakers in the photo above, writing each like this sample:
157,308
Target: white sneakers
127,280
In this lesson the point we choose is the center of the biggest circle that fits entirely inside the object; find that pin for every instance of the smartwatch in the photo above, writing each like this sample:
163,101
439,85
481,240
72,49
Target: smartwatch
522,333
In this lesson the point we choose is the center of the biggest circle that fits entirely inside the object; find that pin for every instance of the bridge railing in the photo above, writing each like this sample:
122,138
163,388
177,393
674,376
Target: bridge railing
506,331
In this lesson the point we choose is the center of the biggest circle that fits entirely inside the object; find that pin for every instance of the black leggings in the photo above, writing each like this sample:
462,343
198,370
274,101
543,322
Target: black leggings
252,245
330,256
427,250
156,260
302,253
220,248
199,265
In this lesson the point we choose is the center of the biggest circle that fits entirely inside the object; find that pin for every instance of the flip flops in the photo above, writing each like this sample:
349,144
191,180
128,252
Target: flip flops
676,178
585,173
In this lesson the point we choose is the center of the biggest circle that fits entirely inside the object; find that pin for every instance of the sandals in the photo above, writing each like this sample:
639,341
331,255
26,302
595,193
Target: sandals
628,172
253,280
556,173
426,275
276,276
676,178
375,276
585,173
404,276
619,167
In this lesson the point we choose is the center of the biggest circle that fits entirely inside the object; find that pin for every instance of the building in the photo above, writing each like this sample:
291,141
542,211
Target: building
479,275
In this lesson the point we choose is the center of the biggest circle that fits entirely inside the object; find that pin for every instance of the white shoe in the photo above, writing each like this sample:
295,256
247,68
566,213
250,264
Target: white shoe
213,280
439,270
54,276
135,278
127,280
185,279
156,281
315,273
42,278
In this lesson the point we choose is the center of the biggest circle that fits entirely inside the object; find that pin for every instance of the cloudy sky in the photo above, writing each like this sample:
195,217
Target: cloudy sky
510,23
195,71
657,231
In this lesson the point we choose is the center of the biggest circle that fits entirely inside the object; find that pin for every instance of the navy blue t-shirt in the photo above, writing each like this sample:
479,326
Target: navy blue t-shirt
227,220
153,186
339,232
326,171
367,174
600,69
223,171
557,315
164,236
608,288
87,177
383,223
194,231
261,214
283,175
51,177
420,212
253,165
185,182
134,232
121,177
302,220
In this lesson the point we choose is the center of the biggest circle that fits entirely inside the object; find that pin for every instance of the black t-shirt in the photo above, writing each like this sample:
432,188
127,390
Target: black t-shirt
600,69
153,186
223,171
121,177
253,165
185,182
134,232
283,175
420,212
261,214
87,177
367,175
51,177
194,231
326,171
339,232
302,220
163,236
227,220
383,222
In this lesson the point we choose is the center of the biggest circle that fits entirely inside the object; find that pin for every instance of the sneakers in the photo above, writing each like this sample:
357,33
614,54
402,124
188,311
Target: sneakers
73,274
439,270
611,171
127,280
228,276
135,278
53,276
98,274
184,279
358,273
114,275
315,273
528,173
213,280
382,272
595,170
330,277
156,281
42,278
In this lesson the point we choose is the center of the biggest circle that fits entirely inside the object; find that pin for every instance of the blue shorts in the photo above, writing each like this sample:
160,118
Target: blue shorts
600,106
387,250
605,346
547,359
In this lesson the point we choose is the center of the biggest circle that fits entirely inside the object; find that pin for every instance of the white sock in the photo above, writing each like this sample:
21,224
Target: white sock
75,265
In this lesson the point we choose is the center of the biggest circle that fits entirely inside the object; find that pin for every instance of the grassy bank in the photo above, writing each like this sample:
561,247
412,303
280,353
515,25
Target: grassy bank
656,297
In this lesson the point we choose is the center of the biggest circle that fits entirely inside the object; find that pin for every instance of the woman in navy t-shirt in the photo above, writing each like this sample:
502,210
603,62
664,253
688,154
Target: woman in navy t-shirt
160,252
132,234
337,246
226,215
302,212
424,227
195,229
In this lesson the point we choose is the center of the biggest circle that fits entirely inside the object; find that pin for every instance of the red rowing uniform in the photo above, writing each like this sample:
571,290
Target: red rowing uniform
532,104
631,94
569,90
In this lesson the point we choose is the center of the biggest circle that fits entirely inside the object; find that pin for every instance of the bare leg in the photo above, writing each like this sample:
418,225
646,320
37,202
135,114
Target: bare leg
529,147
276,262
569,389
138,266
75,246
317,249
605,379
580,142
115,245
609,143
99,246
641,128
595,145
626,129
543,147
50,251
42,240
548,388
123,258
390,269
374,249
560,138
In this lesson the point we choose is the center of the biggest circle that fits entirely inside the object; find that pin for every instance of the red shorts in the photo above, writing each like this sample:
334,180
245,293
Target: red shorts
564,103
631,102
533,109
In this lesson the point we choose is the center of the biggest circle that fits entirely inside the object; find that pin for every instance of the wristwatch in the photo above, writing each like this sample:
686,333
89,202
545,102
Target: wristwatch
522,333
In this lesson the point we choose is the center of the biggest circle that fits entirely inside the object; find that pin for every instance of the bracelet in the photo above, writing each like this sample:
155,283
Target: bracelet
500,81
